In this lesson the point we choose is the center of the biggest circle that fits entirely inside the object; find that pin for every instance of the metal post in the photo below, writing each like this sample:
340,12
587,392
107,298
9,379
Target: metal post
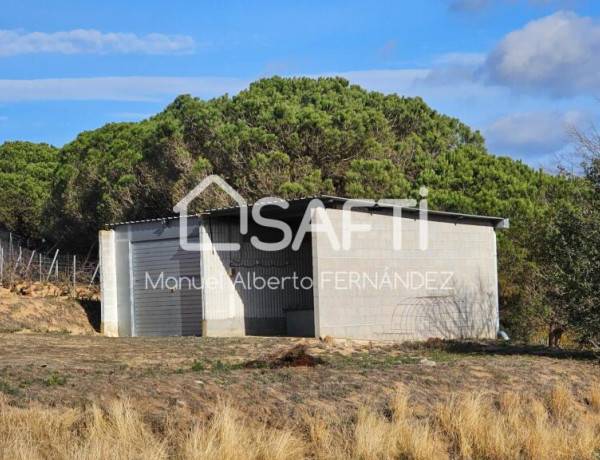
19,259
94,275
52,266
1,265
41,267
30,260
74,277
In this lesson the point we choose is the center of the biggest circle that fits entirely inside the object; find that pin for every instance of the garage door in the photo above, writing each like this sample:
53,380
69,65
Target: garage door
169,305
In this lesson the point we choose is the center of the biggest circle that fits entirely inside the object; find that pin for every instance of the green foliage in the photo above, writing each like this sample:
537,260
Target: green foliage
221,367
376,179
568,253
198,366
281,137
8,389
56,379
290,138
26,172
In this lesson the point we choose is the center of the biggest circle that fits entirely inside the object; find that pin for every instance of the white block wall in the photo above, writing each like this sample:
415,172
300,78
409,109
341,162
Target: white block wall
459,300
108,281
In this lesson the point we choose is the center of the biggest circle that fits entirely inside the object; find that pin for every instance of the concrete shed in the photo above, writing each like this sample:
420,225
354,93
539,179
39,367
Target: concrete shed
441,283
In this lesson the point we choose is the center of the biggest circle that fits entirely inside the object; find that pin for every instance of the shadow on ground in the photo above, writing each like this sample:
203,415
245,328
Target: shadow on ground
505,349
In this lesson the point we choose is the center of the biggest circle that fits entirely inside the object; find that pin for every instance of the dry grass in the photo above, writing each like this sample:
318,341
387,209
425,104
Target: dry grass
472,425
22,314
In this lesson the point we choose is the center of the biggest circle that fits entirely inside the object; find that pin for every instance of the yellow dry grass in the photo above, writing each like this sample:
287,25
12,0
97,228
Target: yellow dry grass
472,425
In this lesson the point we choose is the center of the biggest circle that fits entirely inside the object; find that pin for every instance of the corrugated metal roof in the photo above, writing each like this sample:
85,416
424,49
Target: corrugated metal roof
328,201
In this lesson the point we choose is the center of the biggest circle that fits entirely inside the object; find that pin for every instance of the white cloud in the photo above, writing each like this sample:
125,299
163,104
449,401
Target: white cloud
472,6
88,41
407,82
386,81
117,88
458,58
427,83
531,134
557,54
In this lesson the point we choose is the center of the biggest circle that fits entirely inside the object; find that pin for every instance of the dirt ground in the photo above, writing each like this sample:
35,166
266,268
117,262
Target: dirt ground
171,378
20,313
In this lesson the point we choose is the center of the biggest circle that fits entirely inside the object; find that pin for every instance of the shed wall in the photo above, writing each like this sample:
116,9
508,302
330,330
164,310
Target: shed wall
167,294
238,304
126,236
408,309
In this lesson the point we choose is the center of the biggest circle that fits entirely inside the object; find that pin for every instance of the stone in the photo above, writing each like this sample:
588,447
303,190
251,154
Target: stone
427,362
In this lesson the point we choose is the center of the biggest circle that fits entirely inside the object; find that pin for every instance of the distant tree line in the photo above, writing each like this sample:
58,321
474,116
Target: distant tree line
297,137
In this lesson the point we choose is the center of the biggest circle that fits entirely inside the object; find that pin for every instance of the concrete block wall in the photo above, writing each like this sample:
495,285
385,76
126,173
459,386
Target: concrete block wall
109,323
448,290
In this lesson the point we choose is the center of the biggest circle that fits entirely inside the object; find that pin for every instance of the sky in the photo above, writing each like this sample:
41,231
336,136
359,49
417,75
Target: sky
520,71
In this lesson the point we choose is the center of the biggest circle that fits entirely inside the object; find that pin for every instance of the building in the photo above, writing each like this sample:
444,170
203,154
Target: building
153,287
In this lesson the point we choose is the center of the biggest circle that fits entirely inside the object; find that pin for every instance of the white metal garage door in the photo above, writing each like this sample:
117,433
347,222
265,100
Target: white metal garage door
165,307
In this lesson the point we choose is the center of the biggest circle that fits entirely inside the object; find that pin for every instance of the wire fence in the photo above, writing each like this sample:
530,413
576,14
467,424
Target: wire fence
27,264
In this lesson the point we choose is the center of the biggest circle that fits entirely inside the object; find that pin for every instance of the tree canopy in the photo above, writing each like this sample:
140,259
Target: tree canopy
293,137
289,138
26,174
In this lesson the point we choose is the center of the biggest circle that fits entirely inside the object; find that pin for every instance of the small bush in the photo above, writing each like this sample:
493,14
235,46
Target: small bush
56,379
198,366
7,389
220,366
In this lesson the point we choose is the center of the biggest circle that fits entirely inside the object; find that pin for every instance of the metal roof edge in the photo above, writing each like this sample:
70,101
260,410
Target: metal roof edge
499,222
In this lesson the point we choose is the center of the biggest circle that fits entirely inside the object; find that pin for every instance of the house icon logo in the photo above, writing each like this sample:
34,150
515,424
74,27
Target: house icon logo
181,208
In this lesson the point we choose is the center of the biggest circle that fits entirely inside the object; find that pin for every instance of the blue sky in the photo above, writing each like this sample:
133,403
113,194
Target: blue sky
518,70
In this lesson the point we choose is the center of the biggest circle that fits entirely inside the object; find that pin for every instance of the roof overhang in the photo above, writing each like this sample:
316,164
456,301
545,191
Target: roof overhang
297,207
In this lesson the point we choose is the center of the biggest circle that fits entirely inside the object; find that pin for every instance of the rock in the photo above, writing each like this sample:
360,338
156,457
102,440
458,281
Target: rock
427,362
342,343
181,403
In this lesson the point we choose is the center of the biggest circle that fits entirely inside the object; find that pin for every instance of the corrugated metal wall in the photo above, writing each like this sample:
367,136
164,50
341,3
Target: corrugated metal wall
147,235
153,247
167,297
250,266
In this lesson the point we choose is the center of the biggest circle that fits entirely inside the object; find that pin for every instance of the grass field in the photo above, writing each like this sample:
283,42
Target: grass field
66,396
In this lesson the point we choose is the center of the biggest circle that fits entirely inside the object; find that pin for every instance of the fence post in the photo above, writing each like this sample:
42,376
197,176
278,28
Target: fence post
1,265
30,260
94,275
40,267
74,277
19,259
52,266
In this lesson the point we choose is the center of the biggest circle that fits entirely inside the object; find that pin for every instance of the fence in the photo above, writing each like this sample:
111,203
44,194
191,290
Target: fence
26,261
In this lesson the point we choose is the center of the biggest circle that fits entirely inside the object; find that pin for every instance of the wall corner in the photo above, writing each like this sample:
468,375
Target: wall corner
109,325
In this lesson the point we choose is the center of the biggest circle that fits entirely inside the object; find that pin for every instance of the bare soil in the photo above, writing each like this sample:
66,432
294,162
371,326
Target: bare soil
28,313
173,378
